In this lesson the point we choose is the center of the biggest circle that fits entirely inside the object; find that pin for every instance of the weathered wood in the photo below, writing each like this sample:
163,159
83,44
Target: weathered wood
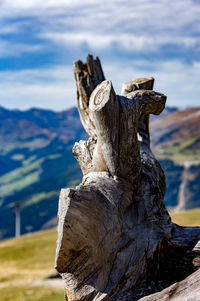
132,110
87,77
143,125
114,246
197,247
116,240
137,84
104,112
115,121
83,152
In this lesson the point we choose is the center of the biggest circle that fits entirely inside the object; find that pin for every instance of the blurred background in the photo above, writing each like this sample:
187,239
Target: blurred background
39,122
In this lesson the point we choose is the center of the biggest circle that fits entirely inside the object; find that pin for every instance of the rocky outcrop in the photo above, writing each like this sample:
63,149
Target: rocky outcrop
115,237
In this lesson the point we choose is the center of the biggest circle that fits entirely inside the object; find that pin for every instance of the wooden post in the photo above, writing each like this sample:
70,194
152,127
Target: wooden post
17,221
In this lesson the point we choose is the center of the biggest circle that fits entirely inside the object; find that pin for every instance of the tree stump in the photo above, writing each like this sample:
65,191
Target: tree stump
116,240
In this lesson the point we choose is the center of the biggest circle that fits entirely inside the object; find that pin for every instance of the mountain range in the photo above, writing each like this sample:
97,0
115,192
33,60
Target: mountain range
36,161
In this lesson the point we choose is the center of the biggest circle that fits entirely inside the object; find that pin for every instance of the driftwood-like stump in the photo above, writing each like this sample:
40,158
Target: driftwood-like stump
116,240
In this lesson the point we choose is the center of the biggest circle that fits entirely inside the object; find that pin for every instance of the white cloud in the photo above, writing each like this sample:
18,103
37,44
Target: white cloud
8,29
15,49
132,25
178,80
54,88
135,26
51,88
100,23
128,41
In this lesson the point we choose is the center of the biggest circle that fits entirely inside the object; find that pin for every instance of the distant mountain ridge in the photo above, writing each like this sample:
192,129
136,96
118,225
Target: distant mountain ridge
20,126
36,161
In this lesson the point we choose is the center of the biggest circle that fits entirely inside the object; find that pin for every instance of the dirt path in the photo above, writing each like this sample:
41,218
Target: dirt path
55,283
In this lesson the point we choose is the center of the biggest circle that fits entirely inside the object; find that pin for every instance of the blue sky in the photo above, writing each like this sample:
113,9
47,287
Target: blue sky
40,40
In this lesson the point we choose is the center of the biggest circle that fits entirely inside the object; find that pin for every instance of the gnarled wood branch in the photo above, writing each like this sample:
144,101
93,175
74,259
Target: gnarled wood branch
116,240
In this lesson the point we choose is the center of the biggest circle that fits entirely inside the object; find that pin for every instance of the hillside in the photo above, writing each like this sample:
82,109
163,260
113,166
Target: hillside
176,136
26,261
176,142
36,161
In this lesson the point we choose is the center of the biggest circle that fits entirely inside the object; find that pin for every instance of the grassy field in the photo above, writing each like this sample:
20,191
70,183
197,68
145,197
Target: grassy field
26,261
186,218
31,293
